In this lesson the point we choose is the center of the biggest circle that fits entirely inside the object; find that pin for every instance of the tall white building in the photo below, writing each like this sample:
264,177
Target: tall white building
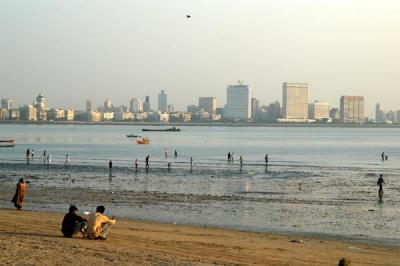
135,105
40,102
162,102
238,102
295,101
318,110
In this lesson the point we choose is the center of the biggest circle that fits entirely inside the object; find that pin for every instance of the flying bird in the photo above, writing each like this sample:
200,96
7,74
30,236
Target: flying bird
187,16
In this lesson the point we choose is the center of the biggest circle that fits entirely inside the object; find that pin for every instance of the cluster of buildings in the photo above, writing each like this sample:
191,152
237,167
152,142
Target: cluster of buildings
240,107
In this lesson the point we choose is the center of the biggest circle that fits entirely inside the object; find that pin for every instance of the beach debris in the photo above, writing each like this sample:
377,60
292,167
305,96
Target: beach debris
296,241
354,248
371,210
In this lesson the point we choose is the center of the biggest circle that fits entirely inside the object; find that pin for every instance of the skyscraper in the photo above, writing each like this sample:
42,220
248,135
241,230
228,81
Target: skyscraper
295,101
135,105
352,109
238,102
380,116
40,102
146,104
162,102
208,104
89,106
6,104
255,108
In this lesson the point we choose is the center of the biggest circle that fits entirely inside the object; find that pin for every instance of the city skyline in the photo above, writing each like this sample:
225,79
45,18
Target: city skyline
134,48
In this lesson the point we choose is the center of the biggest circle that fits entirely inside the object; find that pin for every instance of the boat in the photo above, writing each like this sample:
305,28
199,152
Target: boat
132,136
141,140
171,129
7,143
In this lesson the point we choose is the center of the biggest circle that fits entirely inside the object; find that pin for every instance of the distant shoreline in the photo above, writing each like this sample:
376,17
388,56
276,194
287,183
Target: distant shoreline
182,124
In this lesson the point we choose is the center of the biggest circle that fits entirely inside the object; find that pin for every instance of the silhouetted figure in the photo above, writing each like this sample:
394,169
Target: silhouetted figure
241,160
380,183
386,157
147,161
229,156
28,155
266,159
383,156
191,163
136,164
166,153
66,161
110,165
169,165
175,154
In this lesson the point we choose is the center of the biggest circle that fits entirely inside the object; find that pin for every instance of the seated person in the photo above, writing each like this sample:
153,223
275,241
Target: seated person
99,224
73,223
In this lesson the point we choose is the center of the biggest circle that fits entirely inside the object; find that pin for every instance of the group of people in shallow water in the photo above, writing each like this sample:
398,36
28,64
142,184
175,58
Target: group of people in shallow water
46,157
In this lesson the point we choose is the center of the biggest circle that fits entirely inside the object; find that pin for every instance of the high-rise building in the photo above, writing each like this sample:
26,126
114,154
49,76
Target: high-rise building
334,114
352,109
295,101
89,106
162,102
146,104
6,104
238,102
380,116
318,110
170,108
135,105
40,102
255,108
108,104
208,104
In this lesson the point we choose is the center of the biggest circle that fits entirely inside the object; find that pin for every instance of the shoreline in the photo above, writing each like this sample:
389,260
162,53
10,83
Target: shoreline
133,242
183,124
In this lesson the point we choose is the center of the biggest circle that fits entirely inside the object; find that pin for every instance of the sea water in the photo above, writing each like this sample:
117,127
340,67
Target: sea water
318,180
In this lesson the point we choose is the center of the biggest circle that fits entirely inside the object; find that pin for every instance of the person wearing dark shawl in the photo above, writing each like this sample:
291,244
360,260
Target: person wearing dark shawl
19,195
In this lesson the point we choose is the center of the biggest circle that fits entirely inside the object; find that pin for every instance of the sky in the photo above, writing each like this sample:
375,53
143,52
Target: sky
72,50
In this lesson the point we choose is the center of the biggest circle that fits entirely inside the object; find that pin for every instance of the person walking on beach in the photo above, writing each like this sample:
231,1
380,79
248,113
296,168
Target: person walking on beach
44,156
241,160
48,159
73,223
33,153
28,155
191,163
99,224
136,164
147,161
66,160
266,159
229,156
383,156
175,154
19,195
110,165
232,156
380,183
166,153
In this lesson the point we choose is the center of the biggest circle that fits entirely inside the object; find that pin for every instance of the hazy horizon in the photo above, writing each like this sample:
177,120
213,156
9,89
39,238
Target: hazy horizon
76,50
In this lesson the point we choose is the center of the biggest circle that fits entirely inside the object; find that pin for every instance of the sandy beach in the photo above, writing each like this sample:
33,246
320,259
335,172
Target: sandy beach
34,238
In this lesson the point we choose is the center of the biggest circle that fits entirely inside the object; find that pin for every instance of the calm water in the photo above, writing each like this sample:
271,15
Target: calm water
337,169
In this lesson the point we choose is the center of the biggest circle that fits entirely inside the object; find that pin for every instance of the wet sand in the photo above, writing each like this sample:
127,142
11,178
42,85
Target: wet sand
34,238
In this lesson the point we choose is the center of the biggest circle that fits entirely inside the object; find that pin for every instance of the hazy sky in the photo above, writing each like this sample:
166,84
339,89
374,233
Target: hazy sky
76,50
